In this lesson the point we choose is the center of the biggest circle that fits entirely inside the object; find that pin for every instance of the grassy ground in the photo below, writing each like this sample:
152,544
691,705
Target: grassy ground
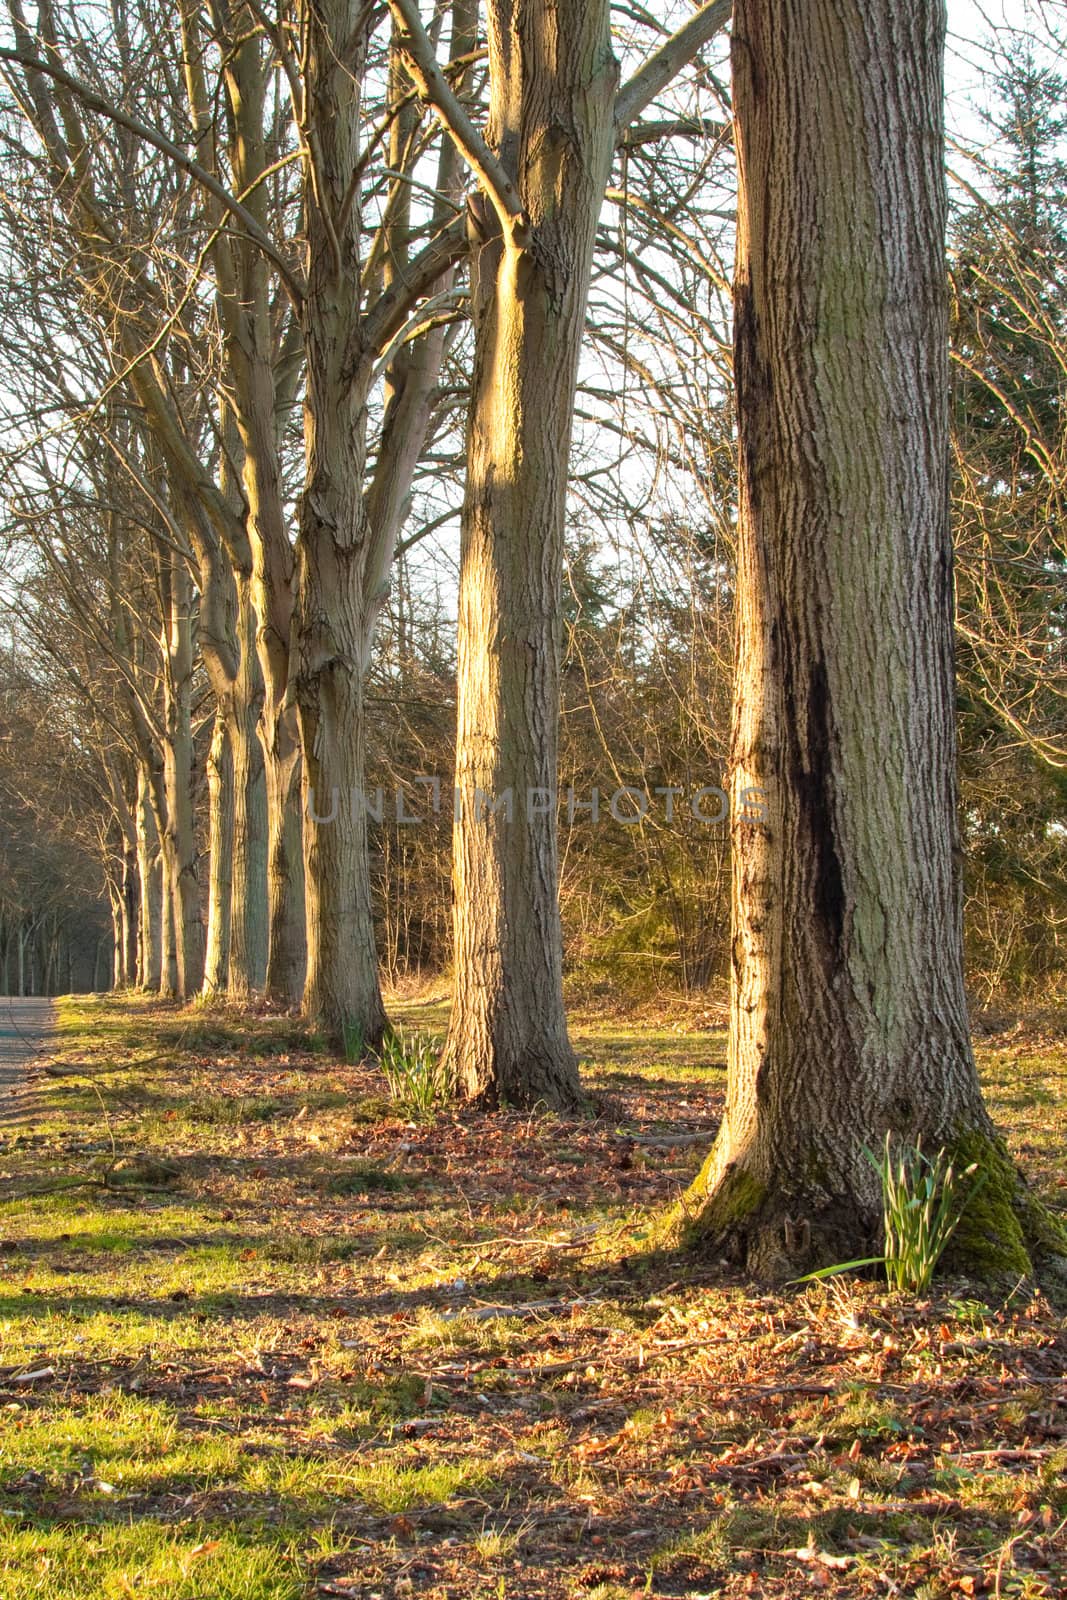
290,1344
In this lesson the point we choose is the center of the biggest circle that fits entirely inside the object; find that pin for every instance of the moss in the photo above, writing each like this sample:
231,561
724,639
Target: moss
701,1215
1003,1231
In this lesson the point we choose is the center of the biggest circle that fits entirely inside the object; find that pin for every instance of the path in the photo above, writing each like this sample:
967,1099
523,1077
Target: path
25,1028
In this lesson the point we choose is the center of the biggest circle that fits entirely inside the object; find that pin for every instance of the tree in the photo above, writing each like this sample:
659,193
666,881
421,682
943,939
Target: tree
53,816
555,117
125,234
1008,256
351,272
848,1016
1009,343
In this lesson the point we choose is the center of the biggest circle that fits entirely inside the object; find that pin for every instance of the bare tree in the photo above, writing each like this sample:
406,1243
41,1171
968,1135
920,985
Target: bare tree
555,116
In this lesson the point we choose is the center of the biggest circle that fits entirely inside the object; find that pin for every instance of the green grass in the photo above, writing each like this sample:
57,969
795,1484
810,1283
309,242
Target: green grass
116,1561
275,1379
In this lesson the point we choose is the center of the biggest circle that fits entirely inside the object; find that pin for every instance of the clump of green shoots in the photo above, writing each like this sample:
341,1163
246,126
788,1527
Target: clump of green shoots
420,1079
355,1044
921,1209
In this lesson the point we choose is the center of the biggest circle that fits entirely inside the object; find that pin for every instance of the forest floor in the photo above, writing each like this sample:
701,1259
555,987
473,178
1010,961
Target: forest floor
266,1338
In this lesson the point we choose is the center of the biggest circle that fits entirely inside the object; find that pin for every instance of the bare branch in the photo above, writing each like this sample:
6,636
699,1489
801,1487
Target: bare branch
667,62
386,317
159,141
421,60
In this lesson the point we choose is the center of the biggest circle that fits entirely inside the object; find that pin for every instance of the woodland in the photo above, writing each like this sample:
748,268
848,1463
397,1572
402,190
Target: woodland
533,735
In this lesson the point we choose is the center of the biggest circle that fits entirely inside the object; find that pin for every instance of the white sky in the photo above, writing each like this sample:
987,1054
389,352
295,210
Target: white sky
972,26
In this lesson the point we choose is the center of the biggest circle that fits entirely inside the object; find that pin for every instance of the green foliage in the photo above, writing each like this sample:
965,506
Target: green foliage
419,1078
921,1209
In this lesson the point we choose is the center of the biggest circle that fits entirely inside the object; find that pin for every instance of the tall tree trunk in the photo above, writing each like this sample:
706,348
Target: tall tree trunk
131,896
248,915
553,81
336,607
148,864
261,395
115,898
335,630
848,1017
177,831
220,788
286,944
168,955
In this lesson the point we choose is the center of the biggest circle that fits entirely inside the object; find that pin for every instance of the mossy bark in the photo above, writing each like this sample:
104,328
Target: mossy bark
848,1013
1004,1232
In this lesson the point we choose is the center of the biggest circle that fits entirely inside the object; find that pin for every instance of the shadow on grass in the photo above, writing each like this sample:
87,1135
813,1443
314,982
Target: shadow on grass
675,1538
649,1275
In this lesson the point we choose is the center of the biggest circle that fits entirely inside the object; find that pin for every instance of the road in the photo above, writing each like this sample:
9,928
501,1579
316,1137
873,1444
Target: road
25,1027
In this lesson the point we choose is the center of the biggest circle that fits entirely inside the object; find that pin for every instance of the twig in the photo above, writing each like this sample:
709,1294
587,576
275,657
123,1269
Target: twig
667,62
88,1183
159,141
434,88
530,1308
662,1141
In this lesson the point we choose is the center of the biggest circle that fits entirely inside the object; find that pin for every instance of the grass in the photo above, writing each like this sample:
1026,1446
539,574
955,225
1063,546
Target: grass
348,1352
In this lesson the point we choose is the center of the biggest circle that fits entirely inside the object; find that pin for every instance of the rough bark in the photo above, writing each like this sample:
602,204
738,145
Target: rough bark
248,907
220,856
168,959
336,608
848,1016
176,826
553,80
255,534
259,402
149,932
286,945
351,314
117,979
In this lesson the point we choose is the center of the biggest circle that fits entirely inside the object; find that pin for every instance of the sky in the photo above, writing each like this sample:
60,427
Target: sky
972,26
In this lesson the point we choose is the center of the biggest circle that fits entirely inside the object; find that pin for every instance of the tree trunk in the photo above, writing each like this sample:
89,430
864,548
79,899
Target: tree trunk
261,395
286,944
148,942
336,606
177,832
131,896
248,914
342,993
848,1017
168,957
553,81
115,897
220,855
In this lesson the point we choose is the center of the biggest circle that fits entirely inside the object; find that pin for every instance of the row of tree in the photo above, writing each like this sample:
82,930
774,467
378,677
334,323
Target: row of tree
218,219
261,268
